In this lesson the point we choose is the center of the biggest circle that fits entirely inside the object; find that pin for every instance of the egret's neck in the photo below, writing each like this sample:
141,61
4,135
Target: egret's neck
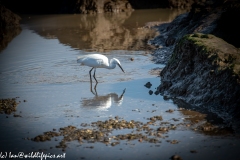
111,65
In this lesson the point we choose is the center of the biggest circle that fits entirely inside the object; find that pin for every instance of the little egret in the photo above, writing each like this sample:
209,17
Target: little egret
98,61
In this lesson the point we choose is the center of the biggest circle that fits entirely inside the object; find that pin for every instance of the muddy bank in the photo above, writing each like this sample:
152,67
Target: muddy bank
202,69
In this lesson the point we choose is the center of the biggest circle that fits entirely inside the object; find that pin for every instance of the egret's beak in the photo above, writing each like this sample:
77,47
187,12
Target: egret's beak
120,67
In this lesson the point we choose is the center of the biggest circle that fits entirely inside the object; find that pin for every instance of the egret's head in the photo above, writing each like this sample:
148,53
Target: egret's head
116,61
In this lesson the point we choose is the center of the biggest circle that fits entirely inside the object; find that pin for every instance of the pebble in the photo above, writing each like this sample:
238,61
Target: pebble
150,92
170,110
176,157
193,151
148,85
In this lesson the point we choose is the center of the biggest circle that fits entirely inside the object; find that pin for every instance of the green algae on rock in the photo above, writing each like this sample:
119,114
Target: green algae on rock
223,55
204,70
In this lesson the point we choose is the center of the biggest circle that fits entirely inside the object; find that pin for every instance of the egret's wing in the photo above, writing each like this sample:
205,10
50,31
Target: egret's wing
93,60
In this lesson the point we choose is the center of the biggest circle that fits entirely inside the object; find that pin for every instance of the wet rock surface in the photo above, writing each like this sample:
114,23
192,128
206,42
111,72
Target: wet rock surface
204,71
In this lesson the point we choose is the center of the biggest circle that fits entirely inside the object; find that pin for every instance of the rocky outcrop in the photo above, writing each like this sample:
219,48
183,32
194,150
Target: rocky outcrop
8,18
9,26
204,71
209,17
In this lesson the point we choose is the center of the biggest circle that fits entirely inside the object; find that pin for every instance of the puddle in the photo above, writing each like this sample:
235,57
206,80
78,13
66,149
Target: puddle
40,67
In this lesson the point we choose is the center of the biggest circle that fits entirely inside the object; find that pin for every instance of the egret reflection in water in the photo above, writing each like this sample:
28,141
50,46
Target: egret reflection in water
104,102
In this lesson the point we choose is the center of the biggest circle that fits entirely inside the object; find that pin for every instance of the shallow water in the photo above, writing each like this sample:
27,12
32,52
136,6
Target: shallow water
39,66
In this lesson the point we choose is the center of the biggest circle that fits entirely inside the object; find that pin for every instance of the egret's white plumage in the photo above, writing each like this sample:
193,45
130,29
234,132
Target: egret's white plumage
98,61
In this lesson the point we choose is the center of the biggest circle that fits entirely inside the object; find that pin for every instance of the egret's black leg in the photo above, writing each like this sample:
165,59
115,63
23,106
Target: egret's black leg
91,87
95,89
94,75
90,75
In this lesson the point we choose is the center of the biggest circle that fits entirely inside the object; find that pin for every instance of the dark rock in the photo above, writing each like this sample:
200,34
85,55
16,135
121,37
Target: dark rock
208,17
9,26
201,69
148,85
156,92
8,18
193,151
170,41
204,72
150,92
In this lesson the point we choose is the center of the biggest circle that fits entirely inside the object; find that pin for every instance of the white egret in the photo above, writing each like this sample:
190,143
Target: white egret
98,61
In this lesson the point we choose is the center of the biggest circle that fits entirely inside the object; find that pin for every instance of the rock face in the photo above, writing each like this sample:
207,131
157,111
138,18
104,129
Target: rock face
204,71
209,17
8,18
9,26
201,69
